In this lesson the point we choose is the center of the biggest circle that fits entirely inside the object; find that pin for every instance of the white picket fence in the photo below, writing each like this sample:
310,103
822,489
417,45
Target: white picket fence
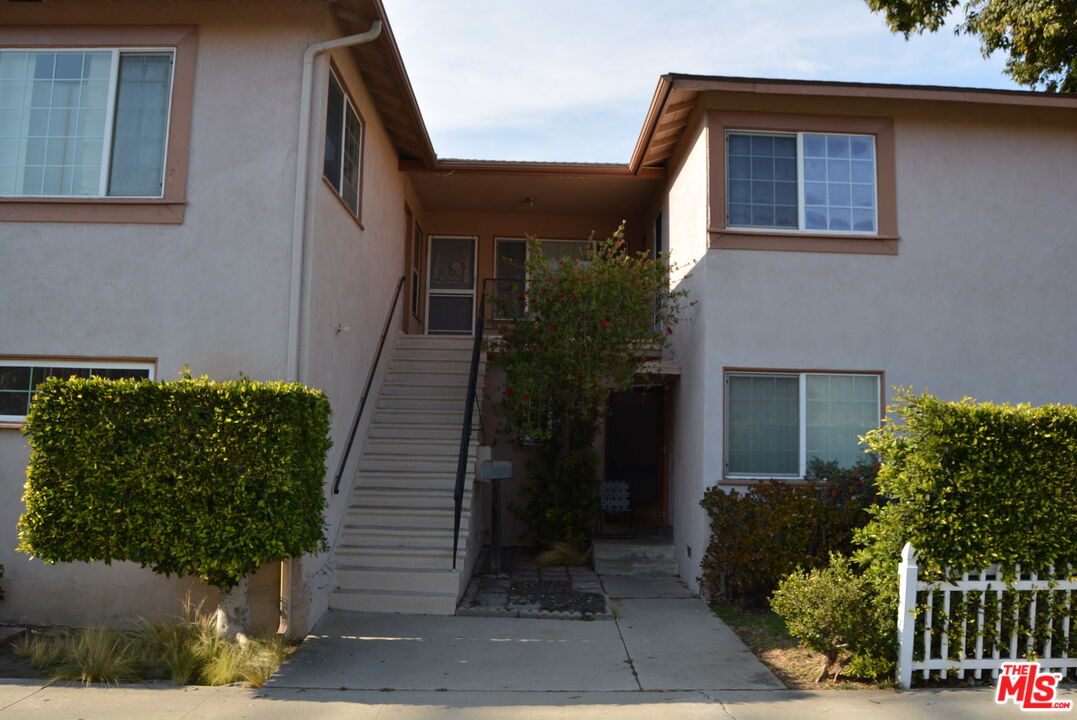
961,648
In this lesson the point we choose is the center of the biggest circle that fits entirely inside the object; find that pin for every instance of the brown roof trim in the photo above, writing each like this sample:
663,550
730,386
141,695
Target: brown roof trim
650,121
508,167
826,88
938,93
390,51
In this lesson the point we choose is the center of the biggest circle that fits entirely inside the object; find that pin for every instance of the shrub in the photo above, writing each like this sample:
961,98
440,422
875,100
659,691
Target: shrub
775,527
578,329
824,609
196,477
970,485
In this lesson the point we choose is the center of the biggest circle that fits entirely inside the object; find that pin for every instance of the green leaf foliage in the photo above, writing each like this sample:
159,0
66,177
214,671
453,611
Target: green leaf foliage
970,485
580,330
193,477
1040,36
773,528
976,484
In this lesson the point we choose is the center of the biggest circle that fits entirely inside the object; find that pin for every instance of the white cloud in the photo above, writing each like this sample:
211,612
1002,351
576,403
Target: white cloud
526,65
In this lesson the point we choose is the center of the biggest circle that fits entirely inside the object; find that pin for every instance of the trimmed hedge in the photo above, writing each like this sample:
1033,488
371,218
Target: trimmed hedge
193,477
974,484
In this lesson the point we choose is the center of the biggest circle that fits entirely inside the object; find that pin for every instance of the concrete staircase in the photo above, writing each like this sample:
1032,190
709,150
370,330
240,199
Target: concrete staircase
643,556
394,553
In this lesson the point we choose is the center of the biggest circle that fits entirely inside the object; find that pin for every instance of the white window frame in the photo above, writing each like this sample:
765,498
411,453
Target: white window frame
802,417
799,135
337,183
89,364
110,116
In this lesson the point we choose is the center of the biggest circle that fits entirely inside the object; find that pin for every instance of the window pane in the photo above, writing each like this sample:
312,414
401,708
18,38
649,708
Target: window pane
140,125
14,403
840,408
511,272
452,263
353,139
450,314
43,97
14,378
763,418
334,133
842,176
769,162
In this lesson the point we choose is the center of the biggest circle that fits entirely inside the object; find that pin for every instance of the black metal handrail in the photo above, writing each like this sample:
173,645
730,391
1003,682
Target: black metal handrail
366,388
469,408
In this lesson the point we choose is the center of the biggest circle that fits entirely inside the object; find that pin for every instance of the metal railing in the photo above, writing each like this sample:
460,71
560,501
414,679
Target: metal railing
366,388
471,401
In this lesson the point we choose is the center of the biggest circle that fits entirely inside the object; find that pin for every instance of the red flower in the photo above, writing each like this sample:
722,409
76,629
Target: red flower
509,392
550,326
605,322
525,397
669,331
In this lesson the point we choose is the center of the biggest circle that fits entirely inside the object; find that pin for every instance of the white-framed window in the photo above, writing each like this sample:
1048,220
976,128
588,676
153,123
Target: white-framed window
343,145
812,182
511,259
84,122
19,378
777,421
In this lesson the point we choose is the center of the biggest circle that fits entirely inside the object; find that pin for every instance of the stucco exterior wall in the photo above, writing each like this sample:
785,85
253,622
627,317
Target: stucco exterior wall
354,270
685,218
211,293
978,301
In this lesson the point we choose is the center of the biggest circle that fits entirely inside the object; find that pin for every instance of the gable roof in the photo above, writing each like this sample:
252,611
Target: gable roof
667,118
676,94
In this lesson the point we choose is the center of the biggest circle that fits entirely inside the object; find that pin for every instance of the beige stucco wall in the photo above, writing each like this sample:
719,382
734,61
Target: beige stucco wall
213,292
685,218
979,300
354,270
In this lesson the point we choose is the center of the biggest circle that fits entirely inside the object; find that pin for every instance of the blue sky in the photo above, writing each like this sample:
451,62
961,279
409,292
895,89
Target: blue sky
571,79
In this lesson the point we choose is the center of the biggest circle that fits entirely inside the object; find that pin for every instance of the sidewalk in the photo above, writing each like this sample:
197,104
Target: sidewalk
26,701
664,655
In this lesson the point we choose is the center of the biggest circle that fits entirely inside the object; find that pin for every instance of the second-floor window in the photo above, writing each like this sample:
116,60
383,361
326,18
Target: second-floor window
84,123
811,182
343,145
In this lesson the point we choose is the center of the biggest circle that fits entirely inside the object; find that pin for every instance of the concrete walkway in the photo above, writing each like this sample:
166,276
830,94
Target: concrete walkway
663,638
665,656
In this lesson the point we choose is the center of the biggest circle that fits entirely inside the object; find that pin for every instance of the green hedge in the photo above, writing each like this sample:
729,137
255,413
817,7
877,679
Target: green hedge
974,484
193,477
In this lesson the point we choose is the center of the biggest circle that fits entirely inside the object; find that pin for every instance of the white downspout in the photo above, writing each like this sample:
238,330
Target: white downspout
302,226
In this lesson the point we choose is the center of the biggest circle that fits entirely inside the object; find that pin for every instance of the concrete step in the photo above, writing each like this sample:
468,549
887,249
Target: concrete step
381,601
416,480
411,389
424,447
638,567
381,496
415,362
640,556
412,463
435,341
436,580
416,431
417,556
422,416
409,516
413,402
396,536
436,372
643,546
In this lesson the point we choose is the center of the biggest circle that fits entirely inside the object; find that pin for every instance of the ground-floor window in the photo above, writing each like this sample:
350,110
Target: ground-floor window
19,378
776,422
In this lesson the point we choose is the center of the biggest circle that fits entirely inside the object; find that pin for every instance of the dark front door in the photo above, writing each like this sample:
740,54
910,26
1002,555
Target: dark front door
634,454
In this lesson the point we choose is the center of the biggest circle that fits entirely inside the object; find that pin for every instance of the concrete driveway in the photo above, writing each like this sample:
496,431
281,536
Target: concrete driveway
663,638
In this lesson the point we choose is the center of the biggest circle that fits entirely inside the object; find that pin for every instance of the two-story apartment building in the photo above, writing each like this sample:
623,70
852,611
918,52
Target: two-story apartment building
239,187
